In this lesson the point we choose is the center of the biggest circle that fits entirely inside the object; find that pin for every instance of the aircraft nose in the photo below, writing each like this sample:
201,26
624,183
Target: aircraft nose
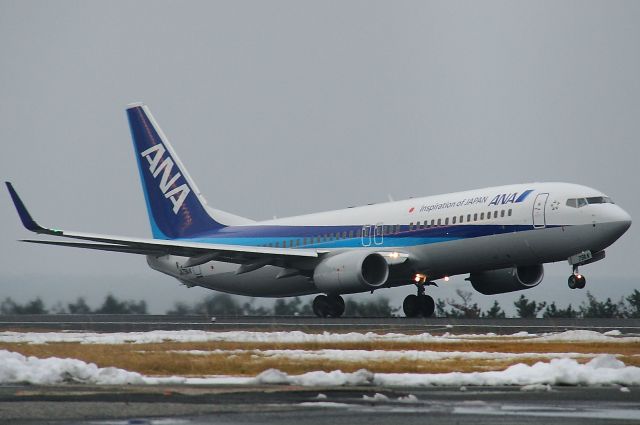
620,219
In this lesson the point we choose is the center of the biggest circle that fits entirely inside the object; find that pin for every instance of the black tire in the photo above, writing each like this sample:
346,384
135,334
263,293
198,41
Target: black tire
572,282
336,305
581,282
321,306
427,305
411,306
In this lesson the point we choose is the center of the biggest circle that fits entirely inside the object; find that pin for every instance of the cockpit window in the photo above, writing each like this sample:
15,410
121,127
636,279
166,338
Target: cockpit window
599,200
581,202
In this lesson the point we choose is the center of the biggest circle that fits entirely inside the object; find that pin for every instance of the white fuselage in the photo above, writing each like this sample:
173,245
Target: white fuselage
443,235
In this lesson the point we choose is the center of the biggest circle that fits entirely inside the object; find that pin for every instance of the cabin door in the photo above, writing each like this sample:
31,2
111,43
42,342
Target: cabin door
539,206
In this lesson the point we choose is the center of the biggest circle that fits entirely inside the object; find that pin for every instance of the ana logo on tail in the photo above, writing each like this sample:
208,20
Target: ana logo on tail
178,194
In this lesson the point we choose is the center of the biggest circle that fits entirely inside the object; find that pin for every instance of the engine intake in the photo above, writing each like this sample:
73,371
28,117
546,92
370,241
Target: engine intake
350,272
511,279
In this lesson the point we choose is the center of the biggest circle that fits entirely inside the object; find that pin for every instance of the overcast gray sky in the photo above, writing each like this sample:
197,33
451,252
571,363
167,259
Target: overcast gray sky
289,107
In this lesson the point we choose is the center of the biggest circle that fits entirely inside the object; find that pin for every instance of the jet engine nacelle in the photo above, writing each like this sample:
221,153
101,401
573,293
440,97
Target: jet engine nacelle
499,281
350,272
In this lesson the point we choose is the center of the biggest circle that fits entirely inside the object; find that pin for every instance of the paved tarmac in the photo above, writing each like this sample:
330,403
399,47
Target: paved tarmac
189,405
140,323
276,404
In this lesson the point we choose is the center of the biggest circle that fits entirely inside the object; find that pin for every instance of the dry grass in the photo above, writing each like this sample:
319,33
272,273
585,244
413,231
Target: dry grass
157,359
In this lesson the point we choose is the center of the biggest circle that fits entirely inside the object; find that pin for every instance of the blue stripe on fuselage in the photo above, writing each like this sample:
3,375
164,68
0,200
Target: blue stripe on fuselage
263,235
524,195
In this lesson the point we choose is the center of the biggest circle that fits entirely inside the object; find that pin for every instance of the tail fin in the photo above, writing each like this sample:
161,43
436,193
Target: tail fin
175,206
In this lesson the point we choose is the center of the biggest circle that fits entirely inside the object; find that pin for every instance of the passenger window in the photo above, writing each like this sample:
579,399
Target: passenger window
344,235
502,213
468,218
277,244
475,217
410,226
461,218
350,233
433,223
495,214
453,220
509,212
439,222
446,221
481,216
426,224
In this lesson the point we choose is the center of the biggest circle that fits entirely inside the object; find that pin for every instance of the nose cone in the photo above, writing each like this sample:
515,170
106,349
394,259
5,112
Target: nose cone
620,220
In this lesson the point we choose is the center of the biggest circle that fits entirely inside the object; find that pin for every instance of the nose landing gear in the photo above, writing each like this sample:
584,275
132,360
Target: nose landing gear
328,306
419,305
576,280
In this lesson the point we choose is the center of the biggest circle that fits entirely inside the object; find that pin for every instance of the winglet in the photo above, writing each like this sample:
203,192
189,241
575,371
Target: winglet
28,222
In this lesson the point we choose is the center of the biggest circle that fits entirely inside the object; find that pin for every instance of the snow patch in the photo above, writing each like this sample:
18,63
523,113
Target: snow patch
410,398
16,368
377,397
602,370
286,337
583,335
536,387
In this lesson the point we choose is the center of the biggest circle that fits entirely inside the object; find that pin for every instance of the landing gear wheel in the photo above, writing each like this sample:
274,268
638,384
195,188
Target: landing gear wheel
427,306
328,306
577,281
320,306
336,305
411,306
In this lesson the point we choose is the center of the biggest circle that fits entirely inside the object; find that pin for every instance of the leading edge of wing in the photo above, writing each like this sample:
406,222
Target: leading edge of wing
169,246
98,246
141,245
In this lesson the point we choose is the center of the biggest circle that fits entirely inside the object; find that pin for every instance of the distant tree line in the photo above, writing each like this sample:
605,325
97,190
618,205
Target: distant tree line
227,305
628,306
111,305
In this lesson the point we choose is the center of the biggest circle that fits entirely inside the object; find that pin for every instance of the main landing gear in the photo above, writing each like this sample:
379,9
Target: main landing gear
576,280
419,305
328,306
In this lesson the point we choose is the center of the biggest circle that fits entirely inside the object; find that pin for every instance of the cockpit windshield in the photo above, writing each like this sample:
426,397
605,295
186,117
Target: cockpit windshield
581,202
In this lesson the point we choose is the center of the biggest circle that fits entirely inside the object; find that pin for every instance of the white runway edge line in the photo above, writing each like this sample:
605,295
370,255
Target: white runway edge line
291,337
602,370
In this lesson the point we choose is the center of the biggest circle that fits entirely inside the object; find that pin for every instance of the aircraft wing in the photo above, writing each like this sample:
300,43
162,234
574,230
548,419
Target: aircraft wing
199,252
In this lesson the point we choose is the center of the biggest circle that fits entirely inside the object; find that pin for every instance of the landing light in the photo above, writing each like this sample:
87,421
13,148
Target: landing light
446,278
419,278
394,255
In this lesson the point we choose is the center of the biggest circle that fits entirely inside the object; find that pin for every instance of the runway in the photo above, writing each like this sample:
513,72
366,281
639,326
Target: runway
257,403
73,404
141,323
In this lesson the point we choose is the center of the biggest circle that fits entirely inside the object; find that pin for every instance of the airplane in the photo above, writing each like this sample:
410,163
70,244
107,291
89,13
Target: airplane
501,236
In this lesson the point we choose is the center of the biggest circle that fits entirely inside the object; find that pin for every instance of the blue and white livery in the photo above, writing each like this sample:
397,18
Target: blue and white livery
500,236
